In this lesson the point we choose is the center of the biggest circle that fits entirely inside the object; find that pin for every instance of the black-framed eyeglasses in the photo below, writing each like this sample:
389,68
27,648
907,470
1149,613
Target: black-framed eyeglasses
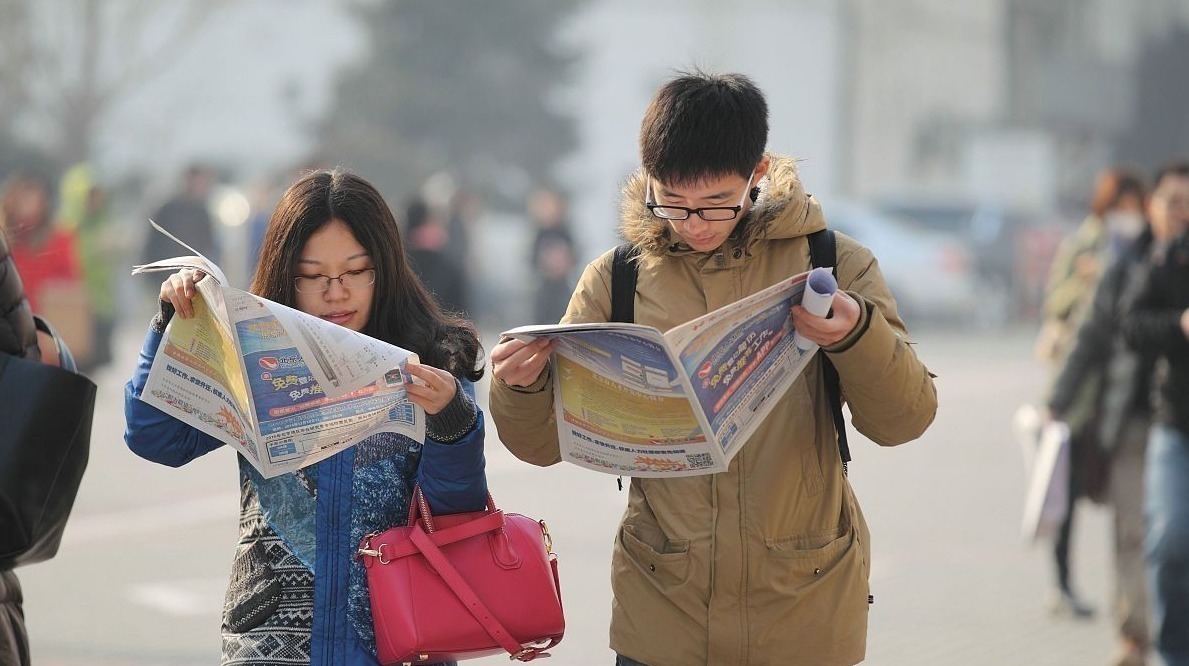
316,284
708,213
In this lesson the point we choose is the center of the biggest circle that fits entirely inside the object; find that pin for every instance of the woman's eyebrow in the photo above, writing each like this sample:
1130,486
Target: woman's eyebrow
315,262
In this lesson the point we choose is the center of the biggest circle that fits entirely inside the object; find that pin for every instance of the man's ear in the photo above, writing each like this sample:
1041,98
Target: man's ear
762,168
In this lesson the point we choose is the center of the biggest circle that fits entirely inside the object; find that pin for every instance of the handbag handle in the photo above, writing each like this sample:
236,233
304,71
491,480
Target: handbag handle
471,601
65,357
419,508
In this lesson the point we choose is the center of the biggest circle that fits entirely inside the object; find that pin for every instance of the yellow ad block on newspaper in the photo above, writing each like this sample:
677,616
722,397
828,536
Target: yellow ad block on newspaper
612,410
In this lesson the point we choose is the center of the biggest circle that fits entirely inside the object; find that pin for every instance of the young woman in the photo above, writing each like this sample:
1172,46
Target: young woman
297,595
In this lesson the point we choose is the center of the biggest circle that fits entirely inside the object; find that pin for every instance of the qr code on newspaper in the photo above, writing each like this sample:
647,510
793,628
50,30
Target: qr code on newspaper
699,460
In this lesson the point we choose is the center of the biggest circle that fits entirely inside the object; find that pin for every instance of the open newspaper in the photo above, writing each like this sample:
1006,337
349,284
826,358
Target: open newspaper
630,400
282,387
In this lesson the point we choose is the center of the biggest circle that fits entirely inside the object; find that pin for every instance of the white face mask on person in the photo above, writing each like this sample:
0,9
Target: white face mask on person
1126,224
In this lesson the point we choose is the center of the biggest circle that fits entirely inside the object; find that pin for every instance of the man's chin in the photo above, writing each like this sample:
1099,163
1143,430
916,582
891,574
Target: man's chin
704,245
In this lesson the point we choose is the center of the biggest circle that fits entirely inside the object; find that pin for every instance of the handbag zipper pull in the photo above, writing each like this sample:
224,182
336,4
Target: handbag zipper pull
366,547
548,539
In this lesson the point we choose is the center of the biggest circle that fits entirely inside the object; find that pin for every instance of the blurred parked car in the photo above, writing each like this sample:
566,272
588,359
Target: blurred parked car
931,274
1009,249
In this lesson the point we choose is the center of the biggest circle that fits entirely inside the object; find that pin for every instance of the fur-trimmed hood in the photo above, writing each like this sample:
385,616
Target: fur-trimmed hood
783,210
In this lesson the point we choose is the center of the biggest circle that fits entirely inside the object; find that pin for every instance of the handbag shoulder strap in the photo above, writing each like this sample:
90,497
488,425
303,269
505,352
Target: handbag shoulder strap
473,603
823,252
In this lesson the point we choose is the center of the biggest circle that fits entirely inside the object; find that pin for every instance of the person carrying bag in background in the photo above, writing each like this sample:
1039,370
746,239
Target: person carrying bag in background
45,433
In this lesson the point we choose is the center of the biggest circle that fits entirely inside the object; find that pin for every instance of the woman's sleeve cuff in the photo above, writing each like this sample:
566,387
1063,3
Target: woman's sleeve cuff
161,319
455,421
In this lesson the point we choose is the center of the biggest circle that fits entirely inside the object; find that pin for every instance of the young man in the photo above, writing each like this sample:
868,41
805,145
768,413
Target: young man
768,562
1158,324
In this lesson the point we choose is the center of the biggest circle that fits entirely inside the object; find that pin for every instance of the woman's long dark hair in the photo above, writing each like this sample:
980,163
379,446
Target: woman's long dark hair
403,312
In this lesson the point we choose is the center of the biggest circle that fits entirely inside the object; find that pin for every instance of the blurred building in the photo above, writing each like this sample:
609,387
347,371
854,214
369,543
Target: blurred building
791,49
924,84
1015,101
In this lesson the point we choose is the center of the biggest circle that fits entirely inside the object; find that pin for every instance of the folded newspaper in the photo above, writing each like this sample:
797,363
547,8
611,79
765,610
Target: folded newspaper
633,401
284,388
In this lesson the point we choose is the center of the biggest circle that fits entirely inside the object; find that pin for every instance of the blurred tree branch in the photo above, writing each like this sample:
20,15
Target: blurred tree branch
462,87
65,62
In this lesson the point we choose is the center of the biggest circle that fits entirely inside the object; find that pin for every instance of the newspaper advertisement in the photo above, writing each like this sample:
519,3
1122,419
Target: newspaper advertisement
630,400
284,388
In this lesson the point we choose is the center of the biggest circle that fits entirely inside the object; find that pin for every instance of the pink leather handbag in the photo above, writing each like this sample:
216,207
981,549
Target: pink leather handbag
462,586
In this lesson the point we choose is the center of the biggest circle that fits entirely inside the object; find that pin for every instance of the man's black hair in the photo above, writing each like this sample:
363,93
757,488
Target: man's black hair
702,126
1174,168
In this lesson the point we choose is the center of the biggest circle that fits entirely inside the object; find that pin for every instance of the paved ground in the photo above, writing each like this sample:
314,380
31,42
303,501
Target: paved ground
139,580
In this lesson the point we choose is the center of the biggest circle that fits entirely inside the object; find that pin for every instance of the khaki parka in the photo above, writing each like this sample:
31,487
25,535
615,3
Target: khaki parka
768,562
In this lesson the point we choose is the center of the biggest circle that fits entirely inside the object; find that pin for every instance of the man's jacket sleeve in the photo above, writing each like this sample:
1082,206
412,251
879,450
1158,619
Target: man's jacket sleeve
1152,323
1092,344
524,415
890,393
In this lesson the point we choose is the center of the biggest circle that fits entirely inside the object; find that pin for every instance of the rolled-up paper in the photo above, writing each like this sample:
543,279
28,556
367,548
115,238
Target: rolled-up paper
819,294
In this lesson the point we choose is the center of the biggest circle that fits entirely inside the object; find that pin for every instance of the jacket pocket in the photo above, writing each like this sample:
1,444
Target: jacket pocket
811,554
254,591
811,600
660,558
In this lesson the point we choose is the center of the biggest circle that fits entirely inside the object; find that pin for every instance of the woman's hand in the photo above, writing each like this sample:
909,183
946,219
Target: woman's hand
436,389
516,363
179,291
831,329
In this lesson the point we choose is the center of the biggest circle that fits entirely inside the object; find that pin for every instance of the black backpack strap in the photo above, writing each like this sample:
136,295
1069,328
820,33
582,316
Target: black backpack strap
623,284
623,292
822,253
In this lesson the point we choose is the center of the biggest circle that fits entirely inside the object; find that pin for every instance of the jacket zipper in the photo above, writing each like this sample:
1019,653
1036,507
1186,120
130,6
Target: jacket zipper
746,642
332,591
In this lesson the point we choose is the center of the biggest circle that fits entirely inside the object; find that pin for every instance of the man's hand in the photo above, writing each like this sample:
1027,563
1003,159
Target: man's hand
1185,322
518,364
832,328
